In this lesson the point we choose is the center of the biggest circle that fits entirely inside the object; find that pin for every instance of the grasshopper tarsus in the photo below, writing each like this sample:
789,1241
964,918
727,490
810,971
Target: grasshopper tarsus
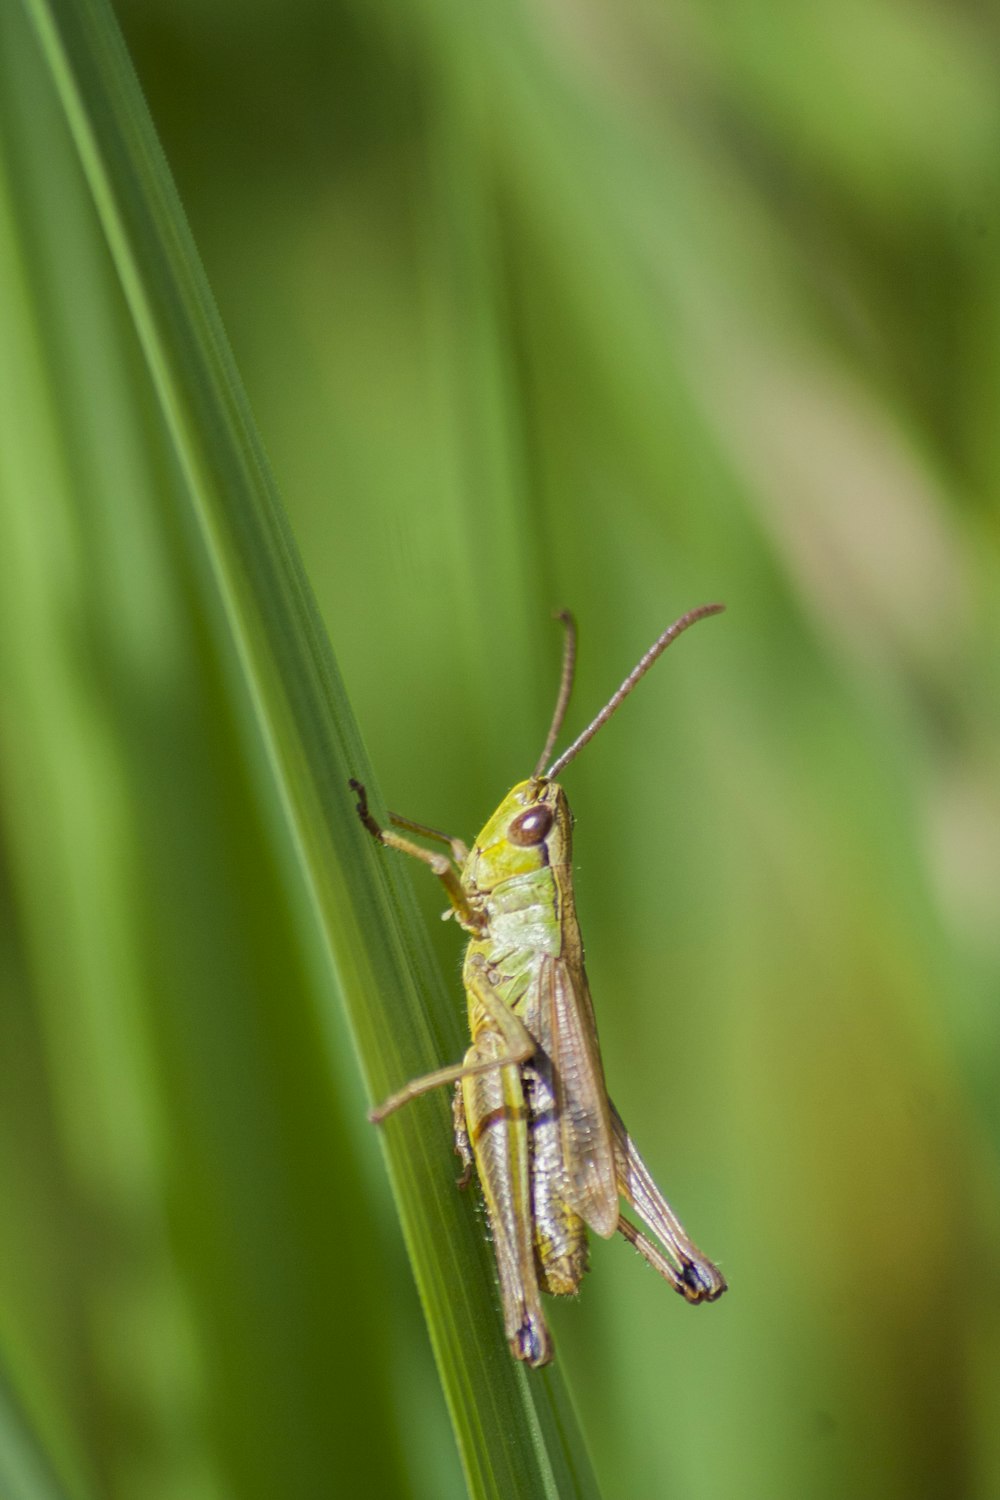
446,869
706,1288
361,806
533,1343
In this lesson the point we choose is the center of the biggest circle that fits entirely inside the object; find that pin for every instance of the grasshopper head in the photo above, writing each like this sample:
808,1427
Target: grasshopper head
529,830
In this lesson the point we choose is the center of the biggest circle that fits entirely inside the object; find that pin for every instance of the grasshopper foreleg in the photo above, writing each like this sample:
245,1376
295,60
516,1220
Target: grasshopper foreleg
442,866
459,849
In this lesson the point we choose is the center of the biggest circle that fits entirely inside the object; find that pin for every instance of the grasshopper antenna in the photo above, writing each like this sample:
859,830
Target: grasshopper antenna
565,687
639,670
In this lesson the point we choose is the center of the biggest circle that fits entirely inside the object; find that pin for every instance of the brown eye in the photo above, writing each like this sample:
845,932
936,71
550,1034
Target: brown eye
531,826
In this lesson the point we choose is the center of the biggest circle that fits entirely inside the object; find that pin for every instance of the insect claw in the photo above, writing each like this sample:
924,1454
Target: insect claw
361,805
705,1288
532,1342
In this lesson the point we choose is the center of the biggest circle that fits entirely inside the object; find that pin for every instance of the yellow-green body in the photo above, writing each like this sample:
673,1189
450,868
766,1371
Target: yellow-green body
532,1113
543,1180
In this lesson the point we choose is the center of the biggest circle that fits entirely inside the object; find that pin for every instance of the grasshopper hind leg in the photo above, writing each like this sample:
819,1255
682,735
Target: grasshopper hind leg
680,1262
695,1280
494,1122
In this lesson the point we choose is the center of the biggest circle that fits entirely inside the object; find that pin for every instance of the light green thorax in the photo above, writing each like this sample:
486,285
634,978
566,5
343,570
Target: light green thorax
525,890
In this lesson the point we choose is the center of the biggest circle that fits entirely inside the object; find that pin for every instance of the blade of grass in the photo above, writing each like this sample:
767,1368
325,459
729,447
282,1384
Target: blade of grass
25,1473
515,1433
147,950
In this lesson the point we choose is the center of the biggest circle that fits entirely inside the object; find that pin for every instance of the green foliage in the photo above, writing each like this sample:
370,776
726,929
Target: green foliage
618,307
167,1089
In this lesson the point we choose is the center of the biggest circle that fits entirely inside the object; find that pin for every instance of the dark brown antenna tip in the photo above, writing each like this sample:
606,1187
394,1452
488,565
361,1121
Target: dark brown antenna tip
639,670
565,687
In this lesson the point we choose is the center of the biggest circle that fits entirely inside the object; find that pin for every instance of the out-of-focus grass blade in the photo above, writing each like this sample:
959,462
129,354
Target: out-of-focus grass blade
24,1470
515,1433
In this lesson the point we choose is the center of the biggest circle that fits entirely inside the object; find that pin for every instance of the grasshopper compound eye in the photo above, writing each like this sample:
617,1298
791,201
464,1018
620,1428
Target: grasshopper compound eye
531,826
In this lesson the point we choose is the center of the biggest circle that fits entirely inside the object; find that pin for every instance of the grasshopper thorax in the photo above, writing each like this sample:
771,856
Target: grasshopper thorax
529,830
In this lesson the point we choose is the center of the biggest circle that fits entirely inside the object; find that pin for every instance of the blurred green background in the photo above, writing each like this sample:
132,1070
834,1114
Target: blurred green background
622,307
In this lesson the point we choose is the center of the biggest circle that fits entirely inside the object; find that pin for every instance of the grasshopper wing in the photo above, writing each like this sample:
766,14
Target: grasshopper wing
581,1096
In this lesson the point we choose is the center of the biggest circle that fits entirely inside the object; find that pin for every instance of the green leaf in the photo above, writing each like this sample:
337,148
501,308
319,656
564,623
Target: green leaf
515,1431
25,1473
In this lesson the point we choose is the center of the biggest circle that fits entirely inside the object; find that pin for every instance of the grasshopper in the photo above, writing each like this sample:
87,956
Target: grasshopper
531,1110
